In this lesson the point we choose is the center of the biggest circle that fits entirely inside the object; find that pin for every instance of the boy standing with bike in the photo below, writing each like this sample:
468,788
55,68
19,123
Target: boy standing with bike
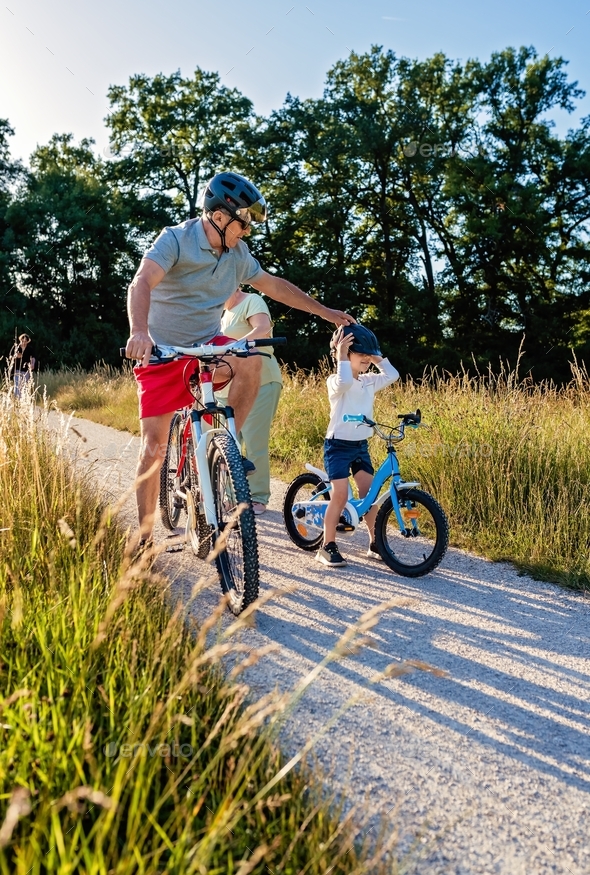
351,390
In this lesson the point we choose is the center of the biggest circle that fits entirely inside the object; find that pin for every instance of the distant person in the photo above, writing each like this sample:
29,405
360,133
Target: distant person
247,315
351,390
24,363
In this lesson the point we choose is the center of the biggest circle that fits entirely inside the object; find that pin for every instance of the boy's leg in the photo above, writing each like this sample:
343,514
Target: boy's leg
338,499
329,554
363,481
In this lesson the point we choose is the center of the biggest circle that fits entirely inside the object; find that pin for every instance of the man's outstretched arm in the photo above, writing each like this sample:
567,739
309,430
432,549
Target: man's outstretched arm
286,293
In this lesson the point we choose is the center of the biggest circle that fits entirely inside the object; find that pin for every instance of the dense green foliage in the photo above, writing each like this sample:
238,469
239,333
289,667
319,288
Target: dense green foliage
433,199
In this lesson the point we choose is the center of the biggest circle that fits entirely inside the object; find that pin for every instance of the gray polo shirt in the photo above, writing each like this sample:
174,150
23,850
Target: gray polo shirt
186,306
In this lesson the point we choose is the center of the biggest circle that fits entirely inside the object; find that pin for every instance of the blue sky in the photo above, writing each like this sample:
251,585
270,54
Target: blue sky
58,58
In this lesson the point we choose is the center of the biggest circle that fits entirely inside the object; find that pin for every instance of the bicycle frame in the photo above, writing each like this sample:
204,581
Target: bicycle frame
201,437
356,508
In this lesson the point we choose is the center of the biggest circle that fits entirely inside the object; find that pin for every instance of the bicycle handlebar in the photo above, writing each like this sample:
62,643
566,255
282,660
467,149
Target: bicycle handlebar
268,341
235,347
411,420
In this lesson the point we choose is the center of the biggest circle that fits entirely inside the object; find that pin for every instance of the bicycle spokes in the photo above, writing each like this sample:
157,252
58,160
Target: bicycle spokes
417,547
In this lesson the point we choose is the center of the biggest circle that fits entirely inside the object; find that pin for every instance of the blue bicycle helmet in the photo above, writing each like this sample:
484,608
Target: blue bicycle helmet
237,195
364,342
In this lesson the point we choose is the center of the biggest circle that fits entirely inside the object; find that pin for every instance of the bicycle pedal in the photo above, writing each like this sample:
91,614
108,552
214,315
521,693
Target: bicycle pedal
345,528
176,545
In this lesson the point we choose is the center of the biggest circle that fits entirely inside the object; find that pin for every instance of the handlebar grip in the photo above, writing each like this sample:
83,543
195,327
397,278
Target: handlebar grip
122,350
269,341
353,417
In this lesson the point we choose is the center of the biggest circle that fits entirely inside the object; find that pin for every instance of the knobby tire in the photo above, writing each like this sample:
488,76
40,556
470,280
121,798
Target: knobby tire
237,564
171,507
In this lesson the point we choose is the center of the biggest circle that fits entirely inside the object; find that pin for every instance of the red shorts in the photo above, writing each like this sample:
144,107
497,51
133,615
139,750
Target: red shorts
164,388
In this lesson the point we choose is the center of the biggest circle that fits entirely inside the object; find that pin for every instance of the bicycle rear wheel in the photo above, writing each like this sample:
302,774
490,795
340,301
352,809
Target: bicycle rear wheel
237,563
303,530
171,505
198,531
423,543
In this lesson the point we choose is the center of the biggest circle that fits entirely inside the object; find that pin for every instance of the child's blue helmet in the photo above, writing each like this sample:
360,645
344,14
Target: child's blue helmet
364,341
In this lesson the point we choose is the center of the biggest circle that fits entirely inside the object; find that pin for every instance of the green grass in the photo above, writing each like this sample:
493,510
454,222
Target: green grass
123,746
106,394
508,460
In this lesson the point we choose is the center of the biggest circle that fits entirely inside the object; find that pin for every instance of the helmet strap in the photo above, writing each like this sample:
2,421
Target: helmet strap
221,232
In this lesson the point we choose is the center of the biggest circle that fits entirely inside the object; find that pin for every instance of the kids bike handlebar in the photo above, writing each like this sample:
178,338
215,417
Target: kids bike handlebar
411,420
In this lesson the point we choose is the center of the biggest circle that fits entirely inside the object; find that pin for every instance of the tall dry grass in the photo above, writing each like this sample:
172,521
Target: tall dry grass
509,460
106,394
123,745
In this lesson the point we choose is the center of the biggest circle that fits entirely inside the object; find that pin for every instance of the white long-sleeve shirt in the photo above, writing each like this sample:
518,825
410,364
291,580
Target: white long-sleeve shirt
348,395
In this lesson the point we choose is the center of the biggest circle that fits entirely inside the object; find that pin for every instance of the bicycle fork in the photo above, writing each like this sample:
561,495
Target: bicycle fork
396,491
201,440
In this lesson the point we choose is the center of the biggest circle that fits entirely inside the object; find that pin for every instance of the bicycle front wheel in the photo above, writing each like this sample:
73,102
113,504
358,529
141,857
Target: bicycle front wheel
420,547
237,562
171,505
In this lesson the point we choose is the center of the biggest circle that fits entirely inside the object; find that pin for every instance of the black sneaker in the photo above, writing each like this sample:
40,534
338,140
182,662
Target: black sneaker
329,555
373,552
249,467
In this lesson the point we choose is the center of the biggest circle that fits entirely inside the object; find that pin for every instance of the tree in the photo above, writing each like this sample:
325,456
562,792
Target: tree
10,299
171,135
518,212
77,245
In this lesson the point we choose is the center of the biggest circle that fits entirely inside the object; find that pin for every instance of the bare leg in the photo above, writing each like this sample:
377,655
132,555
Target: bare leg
154,440
244,385
338,499
363,481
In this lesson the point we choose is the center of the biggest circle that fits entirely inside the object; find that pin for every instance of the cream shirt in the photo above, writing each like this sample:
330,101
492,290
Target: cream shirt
234,323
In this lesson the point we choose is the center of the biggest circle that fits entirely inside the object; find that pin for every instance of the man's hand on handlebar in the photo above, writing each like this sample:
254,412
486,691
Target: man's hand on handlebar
139,346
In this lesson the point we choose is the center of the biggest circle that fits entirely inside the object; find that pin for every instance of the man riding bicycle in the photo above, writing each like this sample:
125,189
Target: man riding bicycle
176,298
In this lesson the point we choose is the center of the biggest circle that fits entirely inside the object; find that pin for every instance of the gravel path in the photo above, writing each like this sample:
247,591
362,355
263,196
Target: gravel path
484,771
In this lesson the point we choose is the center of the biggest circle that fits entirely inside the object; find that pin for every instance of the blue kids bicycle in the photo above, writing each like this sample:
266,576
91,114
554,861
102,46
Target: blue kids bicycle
411,528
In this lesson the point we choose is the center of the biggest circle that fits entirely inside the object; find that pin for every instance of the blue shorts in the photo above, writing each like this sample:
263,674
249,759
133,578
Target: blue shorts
343,457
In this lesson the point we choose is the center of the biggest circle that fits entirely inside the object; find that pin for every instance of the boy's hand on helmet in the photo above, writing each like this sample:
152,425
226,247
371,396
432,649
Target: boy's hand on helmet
342,343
